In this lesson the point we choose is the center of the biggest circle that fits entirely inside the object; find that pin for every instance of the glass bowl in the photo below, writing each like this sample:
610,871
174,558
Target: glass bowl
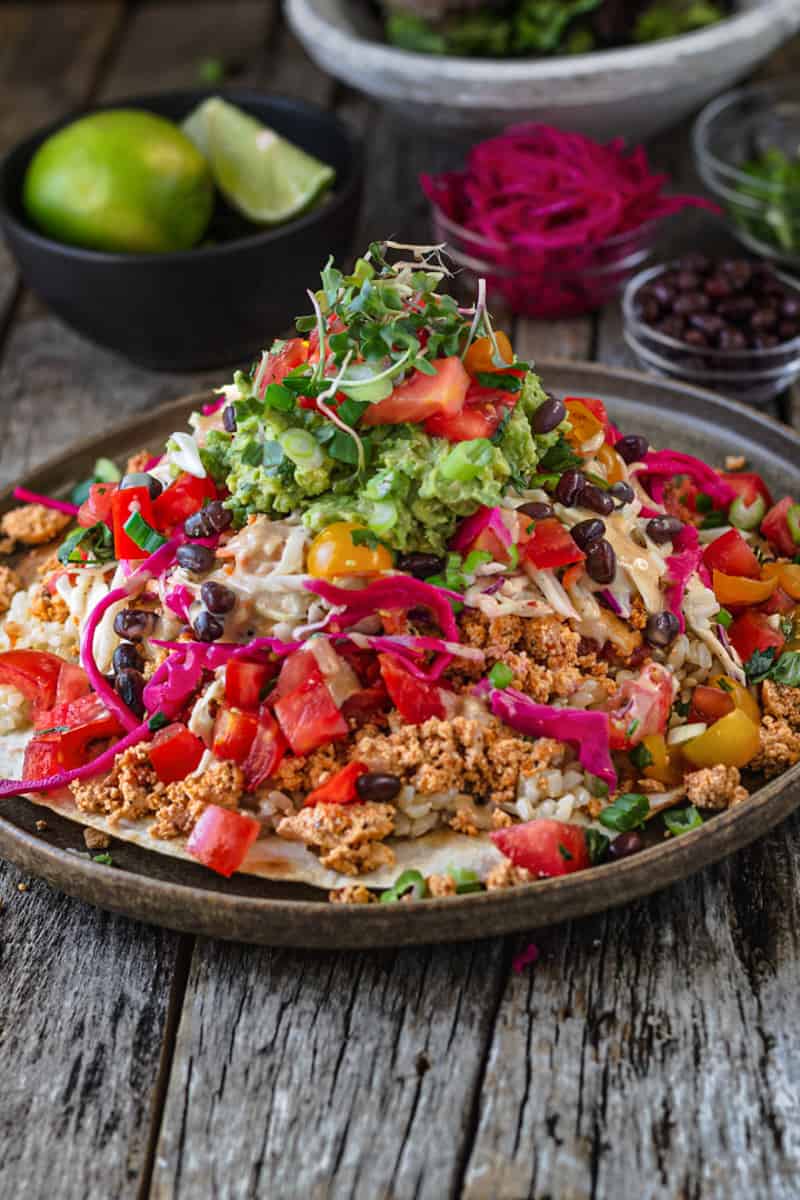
544,283
731,131
754,376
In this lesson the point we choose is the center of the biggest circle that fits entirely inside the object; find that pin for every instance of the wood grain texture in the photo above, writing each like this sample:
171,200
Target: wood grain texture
82,1012
362,1068
553,339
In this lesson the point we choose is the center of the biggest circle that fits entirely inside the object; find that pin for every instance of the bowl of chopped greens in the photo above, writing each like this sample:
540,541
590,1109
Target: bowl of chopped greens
595,66
747,147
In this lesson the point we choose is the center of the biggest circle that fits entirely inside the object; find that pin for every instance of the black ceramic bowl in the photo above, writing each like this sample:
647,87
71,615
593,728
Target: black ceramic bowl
213,305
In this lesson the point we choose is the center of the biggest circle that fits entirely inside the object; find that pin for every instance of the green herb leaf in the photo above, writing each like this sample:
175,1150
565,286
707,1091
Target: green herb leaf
714,520
365,537
499,382
723,618
759,665
641,756
279,398
787,669
157,721
681,820
89,546
559,458
703,503
564,852
627,812
597,844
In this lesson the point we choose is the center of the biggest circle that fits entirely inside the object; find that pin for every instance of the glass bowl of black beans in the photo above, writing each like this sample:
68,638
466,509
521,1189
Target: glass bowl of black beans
731,325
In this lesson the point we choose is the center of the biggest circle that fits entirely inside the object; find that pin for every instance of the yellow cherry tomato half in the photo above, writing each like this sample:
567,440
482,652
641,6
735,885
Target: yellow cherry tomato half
585,425
787,575
479,357
740,695
665,767
334,552
737,589
732,741
611,463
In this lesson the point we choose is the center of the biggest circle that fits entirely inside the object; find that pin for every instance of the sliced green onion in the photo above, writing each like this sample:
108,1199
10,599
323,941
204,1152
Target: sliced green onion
466,460
513,557
301,448
466,881
105,471
409,882
681,820
475,559
145,537
626,812
500,675
793,521
747,516
723,618
158,721
382,516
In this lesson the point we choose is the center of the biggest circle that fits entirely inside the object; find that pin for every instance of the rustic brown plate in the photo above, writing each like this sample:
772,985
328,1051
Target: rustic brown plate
179,895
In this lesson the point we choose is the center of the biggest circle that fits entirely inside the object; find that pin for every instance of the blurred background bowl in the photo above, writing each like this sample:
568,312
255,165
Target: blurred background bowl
214,304
752,376
733,130
637,90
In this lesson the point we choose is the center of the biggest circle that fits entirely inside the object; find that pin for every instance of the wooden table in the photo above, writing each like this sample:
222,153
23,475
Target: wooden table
651,1052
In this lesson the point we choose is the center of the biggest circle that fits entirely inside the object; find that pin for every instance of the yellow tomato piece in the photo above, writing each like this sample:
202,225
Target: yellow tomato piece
732,741
585,425
334,552
611,462
479,357
787,575
740,695
736,589
665,767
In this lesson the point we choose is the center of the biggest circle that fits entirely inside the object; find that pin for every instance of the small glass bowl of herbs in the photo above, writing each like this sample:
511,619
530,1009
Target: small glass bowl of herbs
747,150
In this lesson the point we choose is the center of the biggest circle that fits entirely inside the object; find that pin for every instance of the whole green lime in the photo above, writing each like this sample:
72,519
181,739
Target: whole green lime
124,180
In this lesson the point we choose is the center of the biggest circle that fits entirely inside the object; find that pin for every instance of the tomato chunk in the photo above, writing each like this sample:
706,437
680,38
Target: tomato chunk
293,354
710,703
62,750
266,751
97,505
234,731
415,699
748,485
544,847
423,395
752,631
123,504
340,788
640,707
552,545
175,752
478,421
245,682
182,498
221,838
309,718
35,673
731,555
775,528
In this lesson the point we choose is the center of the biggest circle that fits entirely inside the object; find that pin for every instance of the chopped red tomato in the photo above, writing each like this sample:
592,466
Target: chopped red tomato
245,682
775,528
363,705
72,683
753,631
779,602
415,699
475,421
293,354
182,498
640,707
266,751
363,662
748,485
123,504
63,749
303,704
731,555
35,673
297,670
551,545
221,838
71,713
175,752
423,395
340,788
709,704
97,505
234,731
544,847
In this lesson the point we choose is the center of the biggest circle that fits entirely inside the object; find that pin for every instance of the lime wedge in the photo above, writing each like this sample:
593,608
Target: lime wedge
261,174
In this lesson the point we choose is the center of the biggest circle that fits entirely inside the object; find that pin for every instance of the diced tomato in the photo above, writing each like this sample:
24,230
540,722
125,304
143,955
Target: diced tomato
709,704
278,366
298,670
415,699
475,421
79,711
363,662
221,838
423,395
234,731
340,788
551,545
175,752
123,504
245,682
89,721
748,485
97,506
544,847
35,673
640,707
182,498
680,499
752,631
731,555
266,751
72,683
775,528
779,602
363,705
309,718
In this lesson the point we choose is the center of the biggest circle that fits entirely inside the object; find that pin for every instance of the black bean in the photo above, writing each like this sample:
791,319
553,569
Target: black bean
739,270
420,565
134,624
229,418
378,786
691,302
687,281
632,448
790,307
197,559
693,337
586,532
622,492
570,487
550,413
650,311
708,323
214,518
597,500
738,308
625,844
672,326
788,330
764,319
695,262
129,686
601,561
142,479
731,339
216,597
662,628
764,341
717,288
537,510
663,529
208,628
127,658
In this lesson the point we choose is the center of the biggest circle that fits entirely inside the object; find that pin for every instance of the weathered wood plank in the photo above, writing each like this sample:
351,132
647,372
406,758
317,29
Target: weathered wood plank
553,339
363,1067
654,1048
82,1012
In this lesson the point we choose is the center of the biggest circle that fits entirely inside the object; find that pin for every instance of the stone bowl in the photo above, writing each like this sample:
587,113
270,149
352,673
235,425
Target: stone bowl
635,91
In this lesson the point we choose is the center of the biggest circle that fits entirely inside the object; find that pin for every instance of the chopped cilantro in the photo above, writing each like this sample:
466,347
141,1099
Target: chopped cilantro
641,756
597,844
760,664
560,457
703,503
279,398
714,520
365,537
627,812
88,546
499,382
